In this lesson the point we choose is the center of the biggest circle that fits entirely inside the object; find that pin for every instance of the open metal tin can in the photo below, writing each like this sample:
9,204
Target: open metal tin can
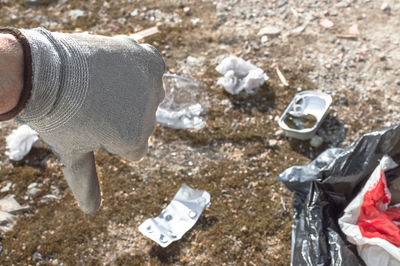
305,114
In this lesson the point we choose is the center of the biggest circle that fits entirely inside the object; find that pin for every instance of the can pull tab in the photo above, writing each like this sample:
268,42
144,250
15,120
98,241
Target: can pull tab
298,108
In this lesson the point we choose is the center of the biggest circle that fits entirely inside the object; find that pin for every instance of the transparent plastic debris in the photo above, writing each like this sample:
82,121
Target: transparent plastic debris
323,190
7,221
7,187
240,75
178,217
20,142
185,105
9,207
370,223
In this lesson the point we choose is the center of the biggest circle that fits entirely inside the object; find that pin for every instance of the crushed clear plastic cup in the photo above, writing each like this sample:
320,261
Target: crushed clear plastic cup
185,105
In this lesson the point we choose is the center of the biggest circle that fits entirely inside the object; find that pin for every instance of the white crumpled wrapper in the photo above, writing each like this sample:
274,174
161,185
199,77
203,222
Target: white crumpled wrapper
240,75
20,142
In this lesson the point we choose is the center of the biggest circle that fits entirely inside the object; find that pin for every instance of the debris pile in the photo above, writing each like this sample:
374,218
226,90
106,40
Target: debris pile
340,180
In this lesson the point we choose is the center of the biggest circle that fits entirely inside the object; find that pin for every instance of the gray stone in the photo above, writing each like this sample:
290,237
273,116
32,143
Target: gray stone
10,204
273,143
134,13
299,29
264,39
32,2
32,189
282,3
343,4
7,221
386,7
65,21
7,187
269,31
222,17
316,141
279,133
195,21
37,256
193,60
76,13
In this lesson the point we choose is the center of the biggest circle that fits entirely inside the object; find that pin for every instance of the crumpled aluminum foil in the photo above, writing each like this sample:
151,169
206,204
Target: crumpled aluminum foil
178,217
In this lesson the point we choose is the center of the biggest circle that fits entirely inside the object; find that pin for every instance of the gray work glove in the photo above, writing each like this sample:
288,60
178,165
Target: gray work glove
85,92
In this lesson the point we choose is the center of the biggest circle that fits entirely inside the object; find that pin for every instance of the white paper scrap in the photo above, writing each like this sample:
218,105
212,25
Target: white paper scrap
240,75
20,142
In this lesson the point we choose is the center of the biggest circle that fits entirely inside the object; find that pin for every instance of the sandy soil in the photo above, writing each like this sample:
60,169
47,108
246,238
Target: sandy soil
348,49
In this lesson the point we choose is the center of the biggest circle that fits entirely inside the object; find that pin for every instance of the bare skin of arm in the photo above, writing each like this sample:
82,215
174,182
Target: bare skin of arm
11,72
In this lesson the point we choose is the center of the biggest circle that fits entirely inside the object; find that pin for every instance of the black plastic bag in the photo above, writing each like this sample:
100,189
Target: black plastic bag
324,188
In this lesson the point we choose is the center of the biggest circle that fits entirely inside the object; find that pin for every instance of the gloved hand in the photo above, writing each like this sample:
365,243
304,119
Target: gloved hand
84,92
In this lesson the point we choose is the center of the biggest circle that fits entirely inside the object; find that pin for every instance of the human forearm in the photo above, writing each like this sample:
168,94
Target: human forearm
11,72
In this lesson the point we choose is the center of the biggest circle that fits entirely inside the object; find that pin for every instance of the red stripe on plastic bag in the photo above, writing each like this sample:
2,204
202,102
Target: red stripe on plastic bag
375,220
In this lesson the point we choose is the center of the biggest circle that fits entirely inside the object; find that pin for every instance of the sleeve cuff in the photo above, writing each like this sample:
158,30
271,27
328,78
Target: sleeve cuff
27,85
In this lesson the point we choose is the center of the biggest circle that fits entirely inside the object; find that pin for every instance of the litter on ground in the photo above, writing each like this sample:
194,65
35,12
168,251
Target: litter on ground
178,217
240,75
185,105
20,142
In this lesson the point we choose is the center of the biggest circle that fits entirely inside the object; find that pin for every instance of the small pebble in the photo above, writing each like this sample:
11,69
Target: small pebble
186,10
222,17
316,141
37,256
76,13
7,187
269,30
244,229
32,188
32,2
264,39
343,4
354,30
382,56
195,21
385,7
326,23
272,143
134,13
279,133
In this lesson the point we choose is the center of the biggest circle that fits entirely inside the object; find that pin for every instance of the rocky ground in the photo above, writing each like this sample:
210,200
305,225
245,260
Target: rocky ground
348,49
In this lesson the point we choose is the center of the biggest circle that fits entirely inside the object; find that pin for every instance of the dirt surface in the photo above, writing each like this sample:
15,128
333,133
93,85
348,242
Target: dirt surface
348,49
